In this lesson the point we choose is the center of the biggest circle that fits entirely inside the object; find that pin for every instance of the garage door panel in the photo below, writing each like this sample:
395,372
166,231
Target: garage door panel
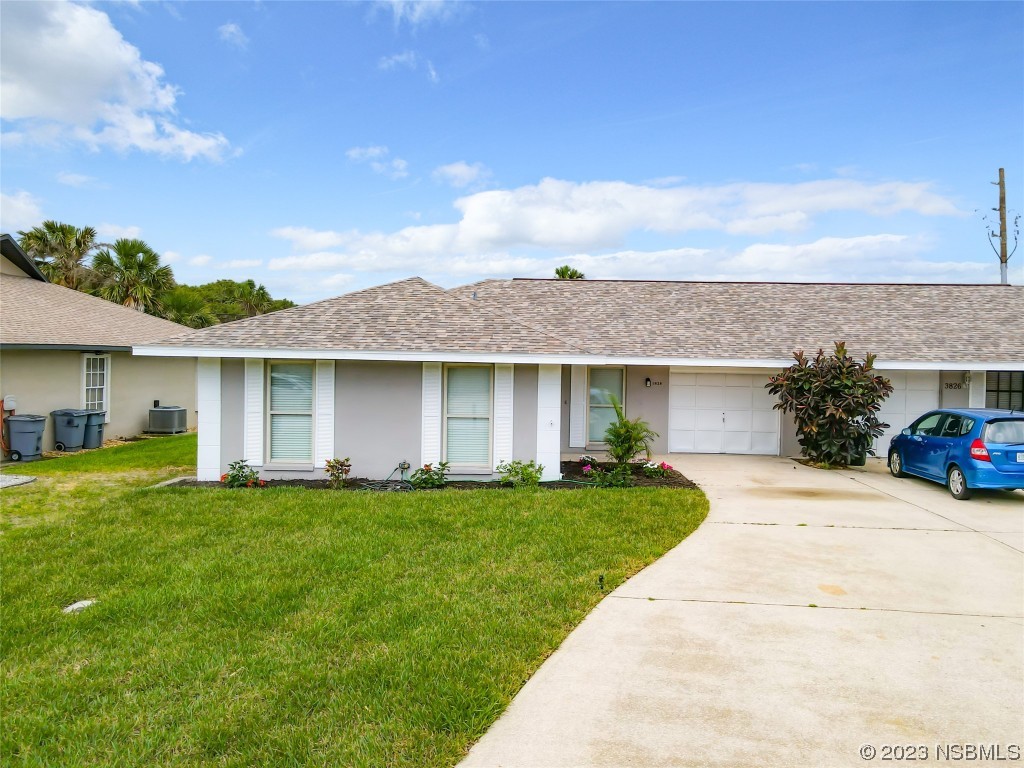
736,442
765,421
738,397
707,442
764,442
682,439
710,397
762,399
914,394
711,379
922,380
679,418
738,421
683,379
709,420
683,396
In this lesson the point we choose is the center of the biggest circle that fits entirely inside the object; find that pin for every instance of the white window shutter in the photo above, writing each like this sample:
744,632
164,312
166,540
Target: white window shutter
578,407
430,449
324,414
254,413
503,383
208,405
549,420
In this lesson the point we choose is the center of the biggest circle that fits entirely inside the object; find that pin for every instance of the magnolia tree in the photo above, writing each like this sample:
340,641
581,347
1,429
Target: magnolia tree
835,401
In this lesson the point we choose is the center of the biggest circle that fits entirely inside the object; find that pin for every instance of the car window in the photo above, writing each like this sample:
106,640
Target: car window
966,427
929,425
951,428
1004,431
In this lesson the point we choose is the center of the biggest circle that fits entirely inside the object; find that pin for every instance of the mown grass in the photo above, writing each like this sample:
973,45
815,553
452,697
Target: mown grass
289,626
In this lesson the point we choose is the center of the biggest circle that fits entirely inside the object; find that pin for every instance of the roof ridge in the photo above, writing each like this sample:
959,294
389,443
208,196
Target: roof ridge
510,318
743,282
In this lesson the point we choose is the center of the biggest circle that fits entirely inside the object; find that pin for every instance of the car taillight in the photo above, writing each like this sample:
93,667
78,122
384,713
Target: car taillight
979,451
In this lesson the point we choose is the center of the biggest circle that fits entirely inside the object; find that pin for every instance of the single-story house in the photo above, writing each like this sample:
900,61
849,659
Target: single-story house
524,369
60,348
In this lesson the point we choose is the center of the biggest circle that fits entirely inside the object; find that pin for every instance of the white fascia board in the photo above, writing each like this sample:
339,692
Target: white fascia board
524,358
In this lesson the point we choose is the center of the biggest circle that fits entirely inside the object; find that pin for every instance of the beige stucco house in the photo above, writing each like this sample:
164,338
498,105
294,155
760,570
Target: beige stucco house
525,369
61,348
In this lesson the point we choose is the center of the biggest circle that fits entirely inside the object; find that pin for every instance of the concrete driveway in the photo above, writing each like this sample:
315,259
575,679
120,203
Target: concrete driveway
812,614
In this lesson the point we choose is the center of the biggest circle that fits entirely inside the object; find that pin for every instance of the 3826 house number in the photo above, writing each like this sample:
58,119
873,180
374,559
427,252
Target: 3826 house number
954,385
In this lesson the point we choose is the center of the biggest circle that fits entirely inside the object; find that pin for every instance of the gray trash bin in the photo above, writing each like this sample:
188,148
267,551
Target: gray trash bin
69,428
94,429
26,435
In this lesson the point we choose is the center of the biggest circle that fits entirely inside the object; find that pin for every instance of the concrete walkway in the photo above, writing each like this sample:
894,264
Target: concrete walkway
714,655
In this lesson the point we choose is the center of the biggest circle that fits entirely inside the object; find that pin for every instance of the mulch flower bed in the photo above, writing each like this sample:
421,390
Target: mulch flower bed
573,478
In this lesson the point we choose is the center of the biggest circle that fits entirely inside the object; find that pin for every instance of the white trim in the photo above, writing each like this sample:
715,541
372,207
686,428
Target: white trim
323,418
208,406
578,406
107,365
253,418
566,359
269,413
502,419
549,421
430,445
622,401
977,390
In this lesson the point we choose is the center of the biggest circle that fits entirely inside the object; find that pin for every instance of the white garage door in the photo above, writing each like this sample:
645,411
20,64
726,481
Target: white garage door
721,413
914,393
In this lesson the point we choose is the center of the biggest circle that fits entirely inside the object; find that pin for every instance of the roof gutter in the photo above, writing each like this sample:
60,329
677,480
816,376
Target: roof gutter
551,359
67,347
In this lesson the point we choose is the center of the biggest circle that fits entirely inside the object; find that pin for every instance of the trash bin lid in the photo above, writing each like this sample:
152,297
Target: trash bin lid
167,408
69,412
94,412
26,417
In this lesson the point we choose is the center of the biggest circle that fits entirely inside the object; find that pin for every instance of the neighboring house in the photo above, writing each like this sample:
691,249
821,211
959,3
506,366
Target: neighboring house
524,369
60,348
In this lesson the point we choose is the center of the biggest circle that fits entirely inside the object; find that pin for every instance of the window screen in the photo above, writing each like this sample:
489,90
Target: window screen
605,383
291,412
1004,389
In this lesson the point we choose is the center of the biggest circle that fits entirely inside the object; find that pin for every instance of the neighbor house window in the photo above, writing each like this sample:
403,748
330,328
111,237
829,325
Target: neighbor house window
96,383
467,415
1004,389
605,384
291,413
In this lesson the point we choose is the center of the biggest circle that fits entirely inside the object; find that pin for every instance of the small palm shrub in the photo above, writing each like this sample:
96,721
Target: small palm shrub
520,473
835,401
628,438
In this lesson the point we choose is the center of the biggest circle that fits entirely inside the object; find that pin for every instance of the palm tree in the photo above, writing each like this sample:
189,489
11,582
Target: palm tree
569,273
131,274
253,299
185,306
61,250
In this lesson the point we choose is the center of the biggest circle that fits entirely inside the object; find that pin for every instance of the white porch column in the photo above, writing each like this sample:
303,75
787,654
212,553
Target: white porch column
976,392
208,405
549,420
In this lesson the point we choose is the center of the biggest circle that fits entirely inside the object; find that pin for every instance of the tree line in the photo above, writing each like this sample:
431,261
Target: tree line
129,272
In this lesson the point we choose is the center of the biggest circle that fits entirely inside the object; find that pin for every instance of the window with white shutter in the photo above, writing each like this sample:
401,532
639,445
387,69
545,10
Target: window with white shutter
467,417
291,413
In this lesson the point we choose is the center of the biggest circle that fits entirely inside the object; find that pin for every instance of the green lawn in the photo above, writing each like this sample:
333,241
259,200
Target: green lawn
289,626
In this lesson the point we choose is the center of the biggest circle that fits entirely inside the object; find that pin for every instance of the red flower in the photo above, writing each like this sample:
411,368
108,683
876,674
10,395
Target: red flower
262,483
224,478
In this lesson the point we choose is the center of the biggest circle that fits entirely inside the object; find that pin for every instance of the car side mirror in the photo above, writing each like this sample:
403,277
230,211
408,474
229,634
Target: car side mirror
905,431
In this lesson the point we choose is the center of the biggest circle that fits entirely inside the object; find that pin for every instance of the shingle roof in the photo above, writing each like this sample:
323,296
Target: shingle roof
42,314
407,316
926,323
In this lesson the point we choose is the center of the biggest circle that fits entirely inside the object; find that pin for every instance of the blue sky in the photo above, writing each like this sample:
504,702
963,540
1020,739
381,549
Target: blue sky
323,147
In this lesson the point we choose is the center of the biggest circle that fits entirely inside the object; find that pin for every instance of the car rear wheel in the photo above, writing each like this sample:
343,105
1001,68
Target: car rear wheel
957,483
896,464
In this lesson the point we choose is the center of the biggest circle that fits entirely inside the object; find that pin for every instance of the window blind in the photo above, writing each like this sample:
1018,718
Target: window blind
468,406
291,412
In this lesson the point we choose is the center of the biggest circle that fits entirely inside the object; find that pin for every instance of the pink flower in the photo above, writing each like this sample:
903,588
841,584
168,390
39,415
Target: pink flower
665,466
587,469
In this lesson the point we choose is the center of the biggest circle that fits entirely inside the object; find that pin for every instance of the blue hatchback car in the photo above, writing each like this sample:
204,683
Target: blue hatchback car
966,449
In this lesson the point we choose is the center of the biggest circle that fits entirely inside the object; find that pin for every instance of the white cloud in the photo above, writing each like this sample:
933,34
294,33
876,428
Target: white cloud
461,174
306,239
73,179
404,59
69,76
110,232
482,41
379,159
232,34
18,212
170,257
417,12
432,73
200,261
242,263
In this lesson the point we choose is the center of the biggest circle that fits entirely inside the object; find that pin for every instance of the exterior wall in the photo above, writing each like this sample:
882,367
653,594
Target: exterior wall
566,389
45,380
7,267
232,411
377,415
954,392
524,413
649,403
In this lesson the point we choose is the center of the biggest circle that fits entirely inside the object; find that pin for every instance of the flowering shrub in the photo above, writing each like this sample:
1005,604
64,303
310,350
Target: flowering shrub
653,469
241,475
520,473
586,458
617,477
429,476
337,471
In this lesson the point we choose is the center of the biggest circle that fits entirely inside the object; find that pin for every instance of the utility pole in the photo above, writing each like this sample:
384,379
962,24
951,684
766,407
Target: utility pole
1003,258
